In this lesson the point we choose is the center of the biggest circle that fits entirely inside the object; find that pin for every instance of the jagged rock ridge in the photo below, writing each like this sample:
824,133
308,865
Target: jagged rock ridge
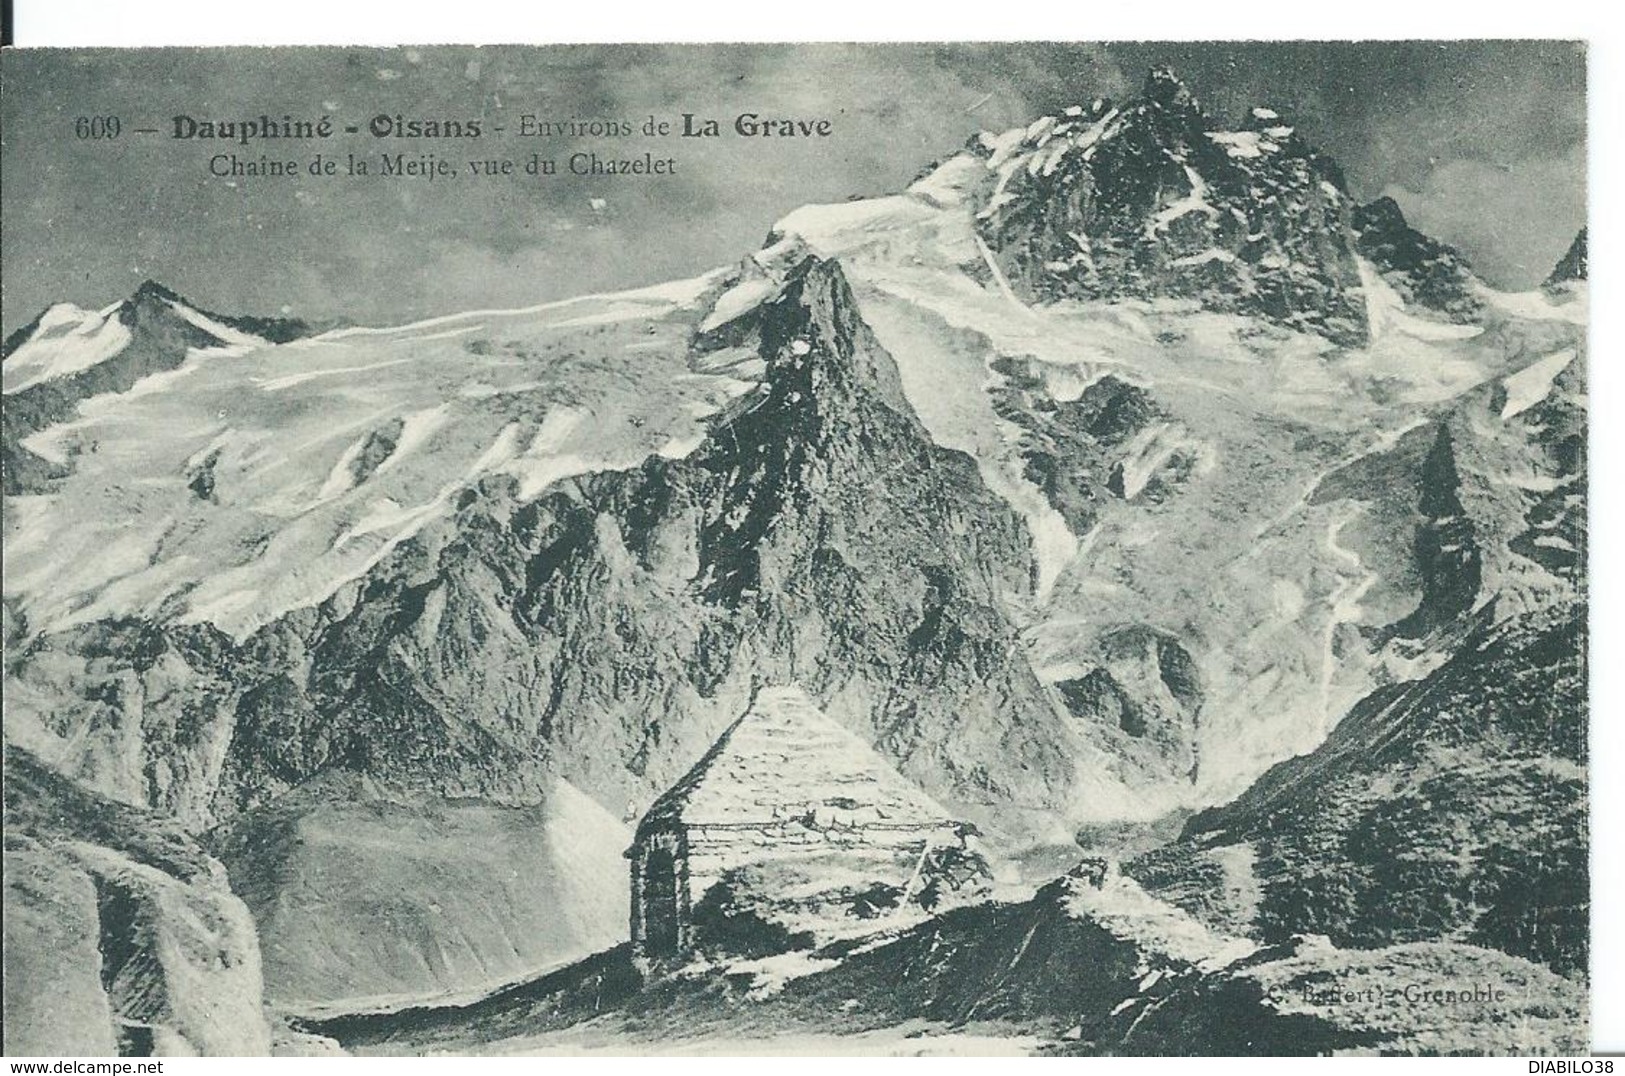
763,548
1152,198
1422,269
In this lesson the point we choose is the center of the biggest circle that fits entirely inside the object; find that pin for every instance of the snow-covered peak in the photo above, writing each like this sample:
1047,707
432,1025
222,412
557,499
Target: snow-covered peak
1152,198
68,316
67,340
64,340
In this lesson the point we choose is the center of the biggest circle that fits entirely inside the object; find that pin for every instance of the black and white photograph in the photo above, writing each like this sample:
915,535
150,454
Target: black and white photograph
1023,548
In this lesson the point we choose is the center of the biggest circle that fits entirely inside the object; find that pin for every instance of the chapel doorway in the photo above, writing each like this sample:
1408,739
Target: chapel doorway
660,908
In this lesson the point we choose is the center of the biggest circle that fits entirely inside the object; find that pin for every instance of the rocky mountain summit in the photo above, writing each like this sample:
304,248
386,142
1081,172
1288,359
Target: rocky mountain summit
1423,270
67,355
746,558
1154,198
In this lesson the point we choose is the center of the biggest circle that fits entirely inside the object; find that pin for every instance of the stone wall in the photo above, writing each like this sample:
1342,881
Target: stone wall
797,881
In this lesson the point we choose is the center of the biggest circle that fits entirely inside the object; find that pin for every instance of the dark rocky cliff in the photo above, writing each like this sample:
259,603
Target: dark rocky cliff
1573,265
1423,270
1152,198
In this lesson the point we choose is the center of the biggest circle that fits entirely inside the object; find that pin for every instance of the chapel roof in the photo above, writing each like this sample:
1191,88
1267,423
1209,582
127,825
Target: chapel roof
786,759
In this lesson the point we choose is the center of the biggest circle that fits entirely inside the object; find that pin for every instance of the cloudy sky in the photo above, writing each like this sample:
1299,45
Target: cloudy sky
1482,143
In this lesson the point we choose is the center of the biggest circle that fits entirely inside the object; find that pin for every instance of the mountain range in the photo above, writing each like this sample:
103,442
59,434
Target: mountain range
1128,485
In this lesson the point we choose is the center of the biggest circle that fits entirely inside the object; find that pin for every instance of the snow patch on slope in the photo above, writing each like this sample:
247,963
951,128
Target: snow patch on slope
832,230
1540,306
947,386
341,478
222,332
1386,313
1193,202
1533,383
586,842
547,459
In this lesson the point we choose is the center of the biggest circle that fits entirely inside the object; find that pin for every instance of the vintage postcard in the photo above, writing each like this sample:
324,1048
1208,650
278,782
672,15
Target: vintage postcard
1041,548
